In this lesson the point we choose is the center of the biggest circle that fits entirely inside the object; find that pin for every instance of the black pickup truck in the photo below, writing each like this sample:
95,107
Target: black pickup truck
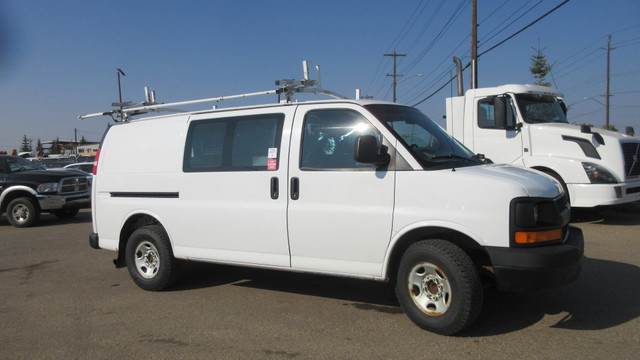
26,190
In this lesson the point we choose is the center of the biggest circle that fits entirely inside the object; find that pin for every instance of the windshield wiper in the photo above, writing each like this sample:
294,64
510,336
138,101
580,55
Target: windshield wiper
452,156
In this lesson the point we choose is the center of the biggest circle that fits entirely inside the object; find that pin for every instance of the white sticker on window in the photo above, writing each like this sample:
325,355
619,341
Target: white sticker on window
273,153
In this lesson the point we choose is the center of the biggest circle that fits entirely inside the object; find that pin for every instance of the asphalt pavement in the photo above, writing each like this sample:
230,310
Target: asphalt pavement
61,299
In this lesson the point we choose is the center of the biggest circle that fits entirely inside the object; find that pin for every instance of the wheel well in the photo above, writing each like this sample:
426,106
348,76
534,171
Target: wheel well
132,224
9,197
477,254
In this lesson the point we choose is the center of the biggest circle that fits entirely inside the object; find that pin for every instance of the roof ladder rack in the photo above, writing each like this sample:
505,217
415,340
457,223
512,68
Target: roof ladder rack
287,87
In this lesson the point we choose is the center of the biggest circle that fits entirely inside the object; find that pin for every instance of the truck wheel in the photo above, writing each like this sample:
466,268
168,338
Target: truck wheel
438,287
21,212
66,213
149,258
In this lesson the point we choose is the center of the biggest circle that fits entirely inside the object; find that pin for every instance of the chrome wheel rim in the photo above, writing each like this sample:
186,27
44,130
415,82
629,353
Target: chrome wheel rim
20,213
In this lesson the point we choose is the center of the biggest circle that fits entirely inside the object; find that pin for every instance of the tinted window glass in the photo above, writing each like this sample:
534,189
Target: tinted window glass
234,144
329,139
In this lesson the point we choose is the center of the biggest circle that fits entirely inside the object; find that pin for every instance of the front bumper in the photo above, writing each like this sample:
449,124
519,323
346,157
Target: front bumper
55,202
523,269
591,195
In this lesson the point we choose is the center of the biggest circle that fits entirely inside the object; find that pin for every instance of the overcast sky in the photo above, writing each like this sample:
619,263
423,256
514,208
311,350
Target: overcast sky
58,59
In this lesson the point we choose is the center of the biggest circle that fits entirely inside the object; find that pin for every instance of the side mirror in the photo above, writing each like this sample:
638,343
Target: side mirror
500,113
367,151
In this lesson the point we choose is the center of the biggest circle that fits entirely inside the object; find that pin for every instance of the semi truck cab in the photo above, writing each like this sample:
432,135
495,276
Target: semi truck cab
526,125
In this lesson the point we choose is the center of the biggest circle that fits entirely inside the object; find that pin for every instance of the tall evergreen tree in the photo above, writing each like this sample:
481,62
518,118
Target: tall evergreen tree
55,147
26,144
539,66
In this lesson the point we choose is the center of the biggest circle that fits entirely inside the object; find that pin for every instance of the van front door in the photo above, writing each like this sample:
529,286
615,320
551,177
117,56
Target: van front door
340,211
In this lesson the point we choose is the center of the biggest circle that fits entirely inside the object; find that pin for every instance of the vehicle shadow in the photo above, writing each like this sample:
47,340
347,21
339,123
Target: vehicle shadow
623,214
604,296
368,295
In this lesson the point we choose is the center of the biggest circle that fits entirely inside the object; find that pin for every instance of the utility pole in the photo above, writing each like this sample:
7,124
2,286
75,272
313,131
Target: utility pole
474,44
395,74
607,95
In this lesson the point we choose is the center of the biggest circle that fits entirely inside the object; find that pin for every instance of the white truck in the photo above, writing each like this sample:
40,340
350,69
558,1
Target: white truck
526,125
355,188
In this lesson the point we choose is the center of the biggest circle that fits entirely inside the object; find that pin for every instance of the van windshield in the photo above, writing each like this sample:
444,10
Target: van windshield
428,142
537,108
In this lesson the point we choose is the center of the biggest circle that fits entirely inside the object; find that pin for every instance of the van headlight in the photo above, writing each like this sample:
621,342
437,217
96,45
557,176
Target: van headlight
538,220
47,188
598,174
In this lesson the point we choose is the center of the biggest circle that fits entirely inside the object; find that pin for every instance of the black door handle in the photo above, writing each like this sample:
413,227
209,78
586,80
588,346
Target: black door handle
295,188
275,188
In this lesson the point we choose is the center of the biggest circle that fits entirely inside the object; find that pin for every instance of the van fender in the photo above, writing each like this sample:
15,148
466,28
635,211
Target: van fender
133,220
403,238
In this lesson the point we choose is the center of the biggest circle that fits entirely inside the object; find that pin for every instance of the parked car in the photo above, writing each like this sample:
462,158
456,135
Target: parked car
27,189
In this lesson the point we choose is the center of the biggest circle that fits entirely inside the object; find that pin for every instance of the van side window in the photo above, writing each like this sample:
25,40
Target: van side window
329,139
486,114
233,144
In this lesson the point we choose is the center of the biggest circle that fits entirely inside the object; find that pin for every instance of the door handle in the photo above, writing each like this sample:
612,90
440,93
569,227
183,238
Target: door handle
275,188
295,188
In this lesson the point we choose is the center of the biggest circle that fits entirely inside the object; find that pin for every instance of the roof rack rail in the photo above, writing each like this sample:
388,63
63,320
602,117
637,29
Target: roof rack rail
288,88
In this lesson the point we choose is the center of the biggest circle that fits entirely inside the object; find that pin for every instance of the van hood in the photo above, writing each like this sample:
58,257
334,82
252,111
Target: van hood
533,182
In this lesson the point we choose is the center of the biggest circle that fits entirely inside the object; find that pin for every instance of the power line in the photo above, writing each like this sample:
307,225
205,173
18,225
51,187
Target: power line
524,28
495,46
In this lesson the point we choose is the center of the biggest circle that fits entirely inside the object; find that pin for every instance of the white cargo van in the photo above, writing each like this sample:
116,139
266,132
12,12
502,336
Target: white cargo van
352,188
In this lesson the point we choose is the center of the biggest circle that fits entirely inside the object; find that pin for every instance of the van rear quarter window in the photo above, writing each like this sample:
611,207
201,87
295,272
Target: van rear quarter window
243,143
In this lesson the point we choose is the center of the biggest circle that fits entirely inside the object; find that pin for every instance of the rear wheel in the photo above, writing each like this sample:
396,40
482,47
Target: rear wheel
439,287
22,212
149,258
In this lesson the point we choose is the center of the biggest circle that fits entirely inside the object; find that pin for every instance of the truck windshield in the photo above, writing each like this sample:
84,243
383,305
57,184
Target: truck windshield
428,142
16,164
537,108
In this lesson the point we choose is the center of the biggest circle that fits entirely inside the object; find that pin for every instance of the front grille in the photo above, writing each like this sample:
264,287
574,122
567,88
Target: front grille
631,153
74,185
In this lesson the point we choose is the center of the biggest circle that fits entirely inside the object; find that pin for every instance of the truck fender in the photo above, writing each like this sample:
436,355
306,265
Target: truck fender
12,189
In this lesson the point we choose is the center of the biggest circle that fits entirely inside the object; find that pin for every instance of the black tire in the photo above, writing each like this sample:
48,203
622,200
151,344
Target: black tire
149,258
22,212
439,287
66,213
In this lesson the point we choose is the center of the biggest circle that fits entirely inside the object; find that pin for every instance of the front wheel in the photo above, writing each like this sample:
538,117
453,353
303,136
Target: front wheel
149,258
439,287
22,212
